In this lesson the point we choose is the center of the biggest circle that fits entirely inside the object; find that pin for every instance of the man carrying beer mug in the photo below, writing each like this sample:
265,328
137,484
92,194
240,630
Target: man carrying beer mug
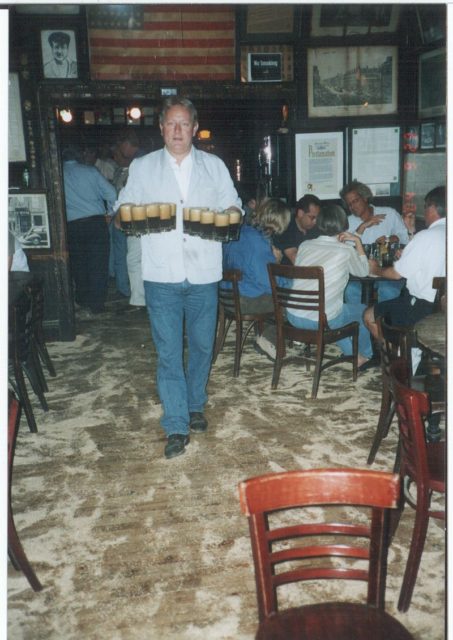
181,271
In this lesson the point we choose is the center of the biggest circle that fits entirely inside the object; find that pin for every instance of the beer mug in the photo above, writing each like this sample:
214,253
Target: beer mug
152,217
172,216
165,216
139,224
207,224
235,220
186,220
221,226
126,218
194,221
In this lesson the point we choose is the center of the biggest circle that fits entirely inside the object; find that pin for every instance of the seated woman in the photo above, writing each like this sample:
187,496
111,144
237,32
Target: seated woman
251,255
338,260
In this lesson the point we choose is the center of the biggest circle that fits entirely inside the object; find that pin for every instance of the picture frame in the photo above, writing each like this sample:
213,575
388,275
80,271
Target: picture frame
335,88
432,22
441,135
260,24
16,137
28,218
427,135
432,83
264,67
285,51
319,164
353,19
59,54
376,158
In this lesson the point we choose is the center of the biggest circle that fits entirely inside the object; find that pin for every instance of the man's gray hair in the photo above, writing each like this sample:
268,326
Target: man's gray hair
175,101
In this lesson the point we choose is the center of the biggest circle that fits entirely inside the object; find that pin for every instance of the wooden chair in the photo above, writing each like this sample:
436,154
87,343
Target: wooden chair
422,465
230,311
440,284
396,342
326,547
287,299
23,359
35,291
16,552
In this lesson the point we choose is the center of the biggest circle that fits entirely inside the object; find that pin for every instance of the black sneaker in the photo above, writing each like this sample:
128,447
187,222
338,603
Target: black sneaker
176,444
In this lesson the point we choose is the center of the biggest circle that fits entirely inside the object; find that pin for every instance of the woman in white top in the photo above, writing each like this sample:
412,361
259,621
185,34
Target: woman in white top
340,253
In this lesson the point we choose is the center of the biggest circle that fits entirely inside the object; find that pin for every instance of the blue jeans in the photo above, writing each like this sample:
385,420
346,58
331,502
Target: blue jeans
349,313
119,255
173,308
386,290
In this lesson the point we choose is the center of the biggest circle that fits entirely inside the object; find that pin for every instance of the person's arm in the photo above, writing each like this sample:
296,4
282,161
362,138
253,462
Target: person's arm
374,220
291,254
358,265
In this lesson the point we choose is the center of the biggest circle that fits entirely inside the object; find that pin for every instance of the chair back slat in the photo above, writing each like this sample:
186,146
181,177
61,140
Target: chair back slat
270,500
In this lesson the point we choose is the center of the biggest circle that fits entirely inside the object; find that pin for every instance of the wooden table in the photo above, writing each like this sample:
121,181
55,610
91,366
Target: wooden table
368,282
432,333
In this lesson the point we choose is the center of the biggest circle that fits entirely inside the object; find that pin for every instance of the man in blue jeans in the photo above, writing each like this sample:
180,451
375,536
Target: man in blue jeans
181,272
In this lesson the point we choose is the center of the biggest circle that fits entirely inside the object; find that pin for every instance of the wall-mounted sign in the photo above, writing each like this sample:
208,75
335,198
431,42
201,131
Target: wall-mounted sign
265,67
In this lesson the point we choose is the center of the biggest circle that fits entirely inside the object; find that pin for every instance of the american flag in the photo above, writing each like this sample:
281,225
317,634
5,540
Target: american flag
162,42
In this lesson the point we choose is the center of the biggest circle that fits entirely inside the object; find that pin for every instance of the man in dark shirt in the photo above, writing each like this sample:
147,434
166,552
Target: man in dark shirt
302,227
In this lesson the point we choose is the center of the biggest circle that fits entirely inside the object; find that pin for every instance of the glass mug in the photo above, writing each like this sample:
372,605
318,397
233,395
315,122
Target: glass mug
126,218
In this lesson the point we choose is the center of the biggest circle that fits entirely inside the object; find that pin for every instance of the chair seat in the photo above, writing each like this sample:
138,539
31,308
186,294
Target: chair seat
332,621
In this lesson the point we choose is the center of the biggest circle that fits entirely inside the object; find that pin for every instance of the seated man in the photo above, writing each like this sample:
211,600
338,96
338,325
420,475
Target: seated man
302,227
372,224
421,261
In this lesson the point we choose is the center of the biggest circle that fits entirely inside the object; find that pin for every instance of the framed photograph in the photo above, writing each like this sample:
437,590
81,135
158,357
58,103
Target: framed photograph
352,81
28,218
427,135
319,164
59,54
353,19
432,83
441,135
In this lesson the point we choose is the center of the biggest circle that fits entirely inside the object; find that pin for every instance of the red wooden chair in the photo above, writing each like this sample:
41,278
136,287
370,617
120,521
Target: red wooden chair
286,298
351,548
16,552
422,468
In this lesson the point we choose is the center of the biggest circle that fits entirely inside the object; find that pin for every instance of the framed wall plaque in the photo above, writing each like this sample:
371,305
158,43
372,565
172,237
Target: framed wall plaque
432,83
319,164
28,218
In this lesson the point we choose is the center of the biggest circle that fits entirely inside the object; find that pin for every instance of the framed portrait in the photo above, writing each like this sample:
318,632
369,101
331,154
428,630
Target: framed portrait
353,19
432,83
28,218
59,54
319,164
427,135
352,81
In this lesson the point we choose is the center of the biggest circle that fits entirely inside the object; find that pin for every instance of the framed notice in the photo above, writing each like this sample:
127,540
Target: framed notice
376,159
335,19
319,164
352,81
16,140
264,67
432,83
28,218
261,23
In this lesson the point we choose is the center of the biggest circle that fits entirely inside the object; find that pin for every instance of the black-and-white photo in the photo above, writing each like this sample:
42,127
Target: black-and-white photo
59,54
352,81
432,78
28,219
441,135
